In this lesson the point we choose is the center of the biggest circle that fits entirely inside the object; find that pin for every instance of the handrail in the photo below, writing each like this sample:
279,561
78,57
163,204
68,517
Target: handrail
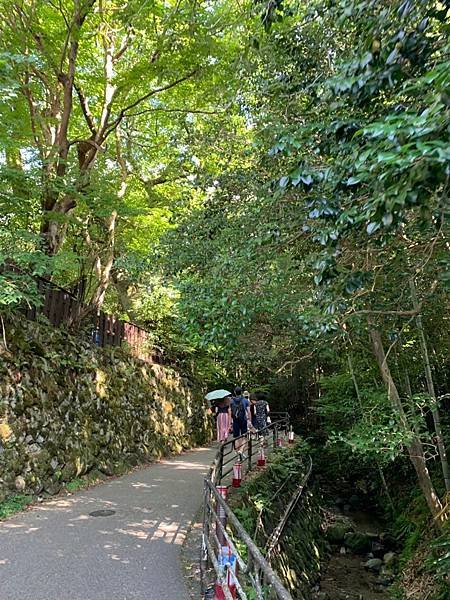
215,535
279,529
226,448
271,576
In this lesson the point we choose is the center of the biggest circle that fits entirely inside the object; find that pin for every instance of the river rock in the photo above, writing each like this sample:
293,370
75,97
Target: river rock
336,532
386,576
388,540
19,483
355,502
374,564
357,542
378,549
389,558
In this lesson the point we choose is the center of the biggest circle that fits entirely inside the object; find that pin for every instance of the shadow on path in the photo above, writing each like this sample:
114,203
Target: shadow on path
60,551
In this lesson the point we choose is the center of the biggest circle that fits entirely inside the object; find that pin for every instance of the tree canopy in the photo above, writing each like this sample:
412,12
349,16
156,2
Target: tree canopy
263,184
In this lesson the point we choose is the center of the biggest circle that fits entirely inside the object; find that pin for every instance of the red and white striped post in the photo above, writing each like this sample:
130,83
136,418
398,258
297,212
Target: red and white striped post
237,474
261,457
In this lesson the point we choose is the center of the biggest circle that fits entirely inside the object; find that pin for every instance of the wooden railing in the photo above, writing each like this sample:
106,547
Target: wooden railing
60,307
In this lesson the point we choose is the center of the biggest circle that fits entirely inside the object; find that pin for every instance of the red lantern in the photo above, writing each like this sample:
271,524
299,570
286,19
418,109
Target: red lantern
261,458
237,474
227,561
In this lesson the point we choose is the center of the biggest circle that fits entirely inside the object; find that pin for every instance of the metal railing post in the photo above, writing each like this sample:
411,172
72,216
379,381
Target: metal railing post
222,529
220,465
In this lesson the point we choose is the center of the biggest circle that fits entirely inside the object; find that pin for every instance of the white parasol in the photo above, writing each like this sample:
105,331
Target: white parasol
217,394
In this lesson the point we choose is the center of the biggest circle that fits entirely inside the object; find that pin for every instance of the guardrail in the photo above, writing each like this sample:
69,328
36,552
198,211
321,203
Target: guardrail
63,307
252,443
228,551
278,531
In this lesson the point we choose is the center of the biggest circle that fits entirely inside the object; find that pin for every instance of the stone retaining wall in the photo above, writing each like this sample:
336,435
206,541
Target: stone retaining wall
67,408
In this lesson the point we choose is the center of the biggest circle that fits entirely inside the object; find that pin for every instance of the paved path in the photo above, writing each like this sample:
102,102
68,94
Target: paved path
57,551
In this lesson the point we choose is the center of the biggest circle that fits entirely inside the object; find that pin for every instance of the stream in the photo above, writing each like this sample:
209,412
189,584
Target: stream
362,561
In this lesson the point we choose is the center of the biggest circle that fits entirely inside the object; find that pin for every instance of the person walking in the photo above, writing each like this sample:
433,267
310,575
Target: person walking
261,411
223,415
253,399
240,412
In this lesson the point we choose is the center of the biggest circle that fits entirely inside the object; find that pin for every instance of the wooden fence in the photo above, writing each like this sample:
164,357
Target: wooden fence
61,306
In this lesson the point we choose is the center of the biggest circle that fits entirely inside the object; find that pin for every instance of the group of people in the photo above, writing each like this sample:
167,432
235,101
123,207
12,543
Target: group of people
241,413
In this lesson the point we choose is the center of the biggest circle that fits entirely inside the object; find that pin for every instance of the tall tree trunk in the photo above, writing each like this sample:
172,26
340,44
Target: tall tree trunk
103,270
126,291
430,386
408,384
364,417
415,448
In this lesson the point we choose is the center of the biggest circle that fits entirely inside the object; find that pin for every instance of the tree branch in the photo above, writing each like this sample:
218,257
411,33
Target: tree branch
396,313
163,88
121,51
292,363
68,79
180,110
89,117
160,180
33,116
109,93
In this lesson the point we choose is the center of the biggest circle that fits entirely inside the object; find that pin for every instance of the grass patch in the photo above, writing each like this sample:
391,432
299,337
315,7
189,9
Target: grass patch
75,485
14,505
81,483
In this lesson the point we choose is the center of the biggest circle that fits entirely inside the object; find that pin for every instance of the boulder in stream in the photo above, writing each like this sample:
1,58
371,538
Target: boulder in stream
389,558
337,532
374,564
358,542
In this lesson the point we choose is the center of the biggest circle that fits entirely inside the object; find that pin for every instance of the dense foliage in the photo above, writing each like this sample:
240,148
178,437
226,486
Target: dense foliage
264,184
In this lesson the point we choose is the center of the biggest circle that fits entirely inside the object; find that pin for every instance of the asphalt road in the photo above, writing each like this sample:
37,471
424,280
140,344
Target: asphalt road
58,551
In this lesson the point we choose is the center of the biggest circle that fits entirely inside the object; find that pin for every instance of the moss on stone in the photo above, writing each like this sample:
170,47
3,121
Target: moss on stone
71,408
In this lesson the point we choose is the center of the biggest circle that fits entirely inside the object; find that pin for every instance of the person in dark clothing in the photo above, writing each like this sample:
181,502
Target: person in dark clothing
262,410
223,415
240,413
253,400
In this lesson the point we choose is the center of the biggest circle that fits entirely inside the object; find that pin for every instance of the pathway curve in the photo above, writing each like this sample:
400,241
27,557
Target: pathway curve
58,551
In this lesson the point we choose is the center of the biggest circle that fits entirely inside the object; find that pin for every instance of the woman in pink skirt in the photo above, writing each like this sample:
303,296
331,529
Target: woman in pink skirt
223,413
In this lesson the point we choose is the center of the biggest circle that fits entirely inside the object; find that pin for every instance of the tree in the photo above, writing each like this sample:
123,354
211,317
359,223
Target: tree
344,199
106,91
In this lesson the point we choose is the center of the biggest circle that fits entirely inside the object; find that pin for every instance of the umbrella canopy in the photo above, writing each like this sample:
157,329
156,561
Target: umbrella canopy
218,394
